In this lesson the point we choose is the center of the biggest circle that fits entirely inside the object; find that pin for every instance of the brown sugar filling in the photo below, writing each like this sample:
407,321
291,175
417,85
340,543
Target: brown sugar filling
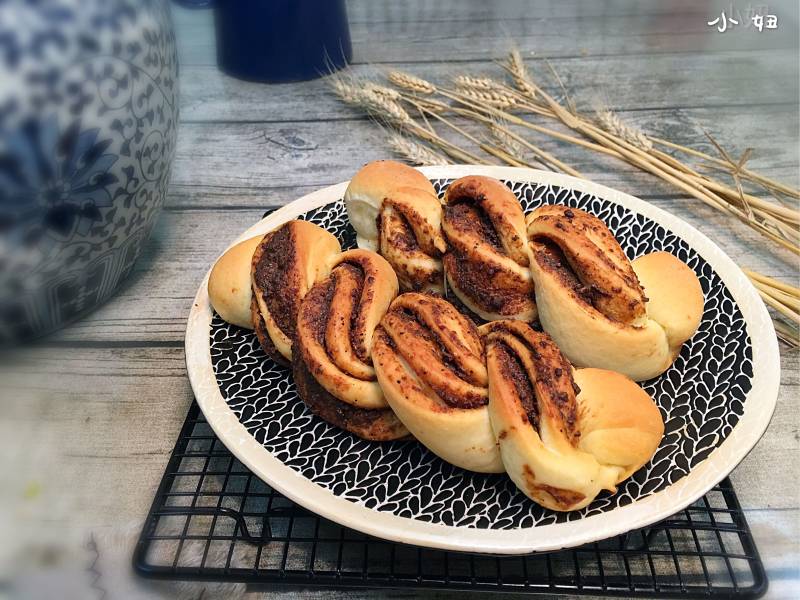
550,386
462,215
317,310
513,371
419,330
401,235
277,280
552,259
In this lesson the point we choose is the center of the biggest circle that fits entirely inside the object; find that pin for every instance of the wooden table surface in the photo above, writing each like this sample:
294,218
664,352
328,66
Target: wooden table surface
90,415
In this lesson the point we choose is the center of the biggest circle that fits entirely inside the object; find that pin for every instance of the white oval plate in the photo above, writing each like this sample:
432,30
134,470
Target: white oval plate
713,420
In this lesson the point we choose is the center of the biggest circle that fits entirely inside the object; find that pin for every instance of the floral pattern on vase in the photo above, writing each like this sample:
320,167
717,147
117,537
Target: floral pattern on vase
88,119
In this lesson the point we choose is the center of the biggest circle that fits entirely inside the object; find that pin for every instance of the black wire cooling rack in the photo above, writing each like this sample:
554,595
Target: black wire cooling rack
212,520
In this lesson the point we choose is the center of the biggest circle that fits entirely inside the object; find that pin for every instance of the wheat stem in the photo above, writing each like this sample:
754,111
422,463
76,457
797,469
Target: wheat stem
748,174
766,279
789,335
781,308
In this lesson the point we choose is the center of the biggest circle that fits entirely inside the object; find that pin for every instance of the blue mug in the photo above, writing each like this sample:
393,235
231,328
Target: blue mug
279,40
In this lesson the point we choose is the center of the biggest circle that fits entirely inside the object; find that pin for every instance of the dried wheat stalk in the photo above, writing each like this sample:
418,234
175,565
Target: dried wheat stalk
519,73
414,152
613,124
411,83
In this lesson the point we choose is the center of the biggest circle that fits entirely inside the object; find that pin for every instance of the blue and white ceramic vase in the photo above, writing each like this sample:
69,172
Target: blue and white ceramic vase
88,118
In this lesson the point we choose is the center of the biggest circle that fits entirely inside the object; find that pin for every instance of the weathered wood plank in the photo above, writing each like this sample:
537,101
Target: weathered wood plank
746,79
263,155
431,31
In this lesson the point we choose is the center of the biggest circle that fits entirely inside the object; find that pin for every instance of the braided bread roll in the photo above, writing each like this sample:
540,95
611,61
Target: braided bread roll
429,361
559,449
487,261
285,265
602,309
395,211
333,371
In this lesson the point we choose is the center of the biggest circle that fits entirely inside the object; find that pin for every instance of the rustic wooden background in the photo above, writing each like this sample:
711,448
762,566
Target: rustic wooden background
90,415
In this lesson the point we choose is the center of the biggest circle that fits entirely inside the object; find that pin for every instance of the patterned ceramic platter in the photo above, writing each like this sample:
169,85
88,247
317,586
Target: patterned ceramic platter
716,400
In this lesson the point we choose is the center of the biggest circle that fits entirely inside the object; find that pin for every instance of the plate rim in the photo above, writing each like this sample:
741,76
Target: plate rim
759,403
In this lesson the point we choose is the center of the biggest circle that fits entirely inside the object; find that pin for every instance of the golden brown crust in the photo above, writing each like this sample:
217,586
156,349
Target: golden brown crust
534,412
580,247
336,323
410,238
429,362
379,177
541,377
285,265
441,346
229,283
370,424
487,260
675,295
395,211
549,495
619,422
564,434
591,301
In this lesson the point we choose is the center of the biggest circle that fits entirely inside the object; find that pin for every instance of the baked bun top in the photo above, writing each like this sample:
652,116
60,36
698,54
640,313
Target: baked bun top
441,347
336,323
429,360
602,309
579,248
395,212
564,434
675,296
229,283
619,422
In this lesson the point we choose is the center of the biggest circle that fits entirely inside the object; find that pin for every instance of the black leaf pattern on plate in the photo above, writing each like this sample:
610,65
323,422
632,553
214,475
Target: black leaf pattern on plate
701,398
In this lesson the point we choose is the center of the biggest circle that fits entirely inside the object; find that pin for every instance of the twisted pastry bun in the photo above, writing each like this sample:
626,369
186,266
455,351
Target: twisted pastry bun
331,362
557,442
487,261
430,364
229,283
285,265
395,211
593,304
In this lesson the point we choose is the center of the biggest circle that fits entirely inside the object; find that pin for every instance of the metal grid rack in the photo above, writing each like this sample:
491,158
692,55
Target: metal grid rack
212,520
